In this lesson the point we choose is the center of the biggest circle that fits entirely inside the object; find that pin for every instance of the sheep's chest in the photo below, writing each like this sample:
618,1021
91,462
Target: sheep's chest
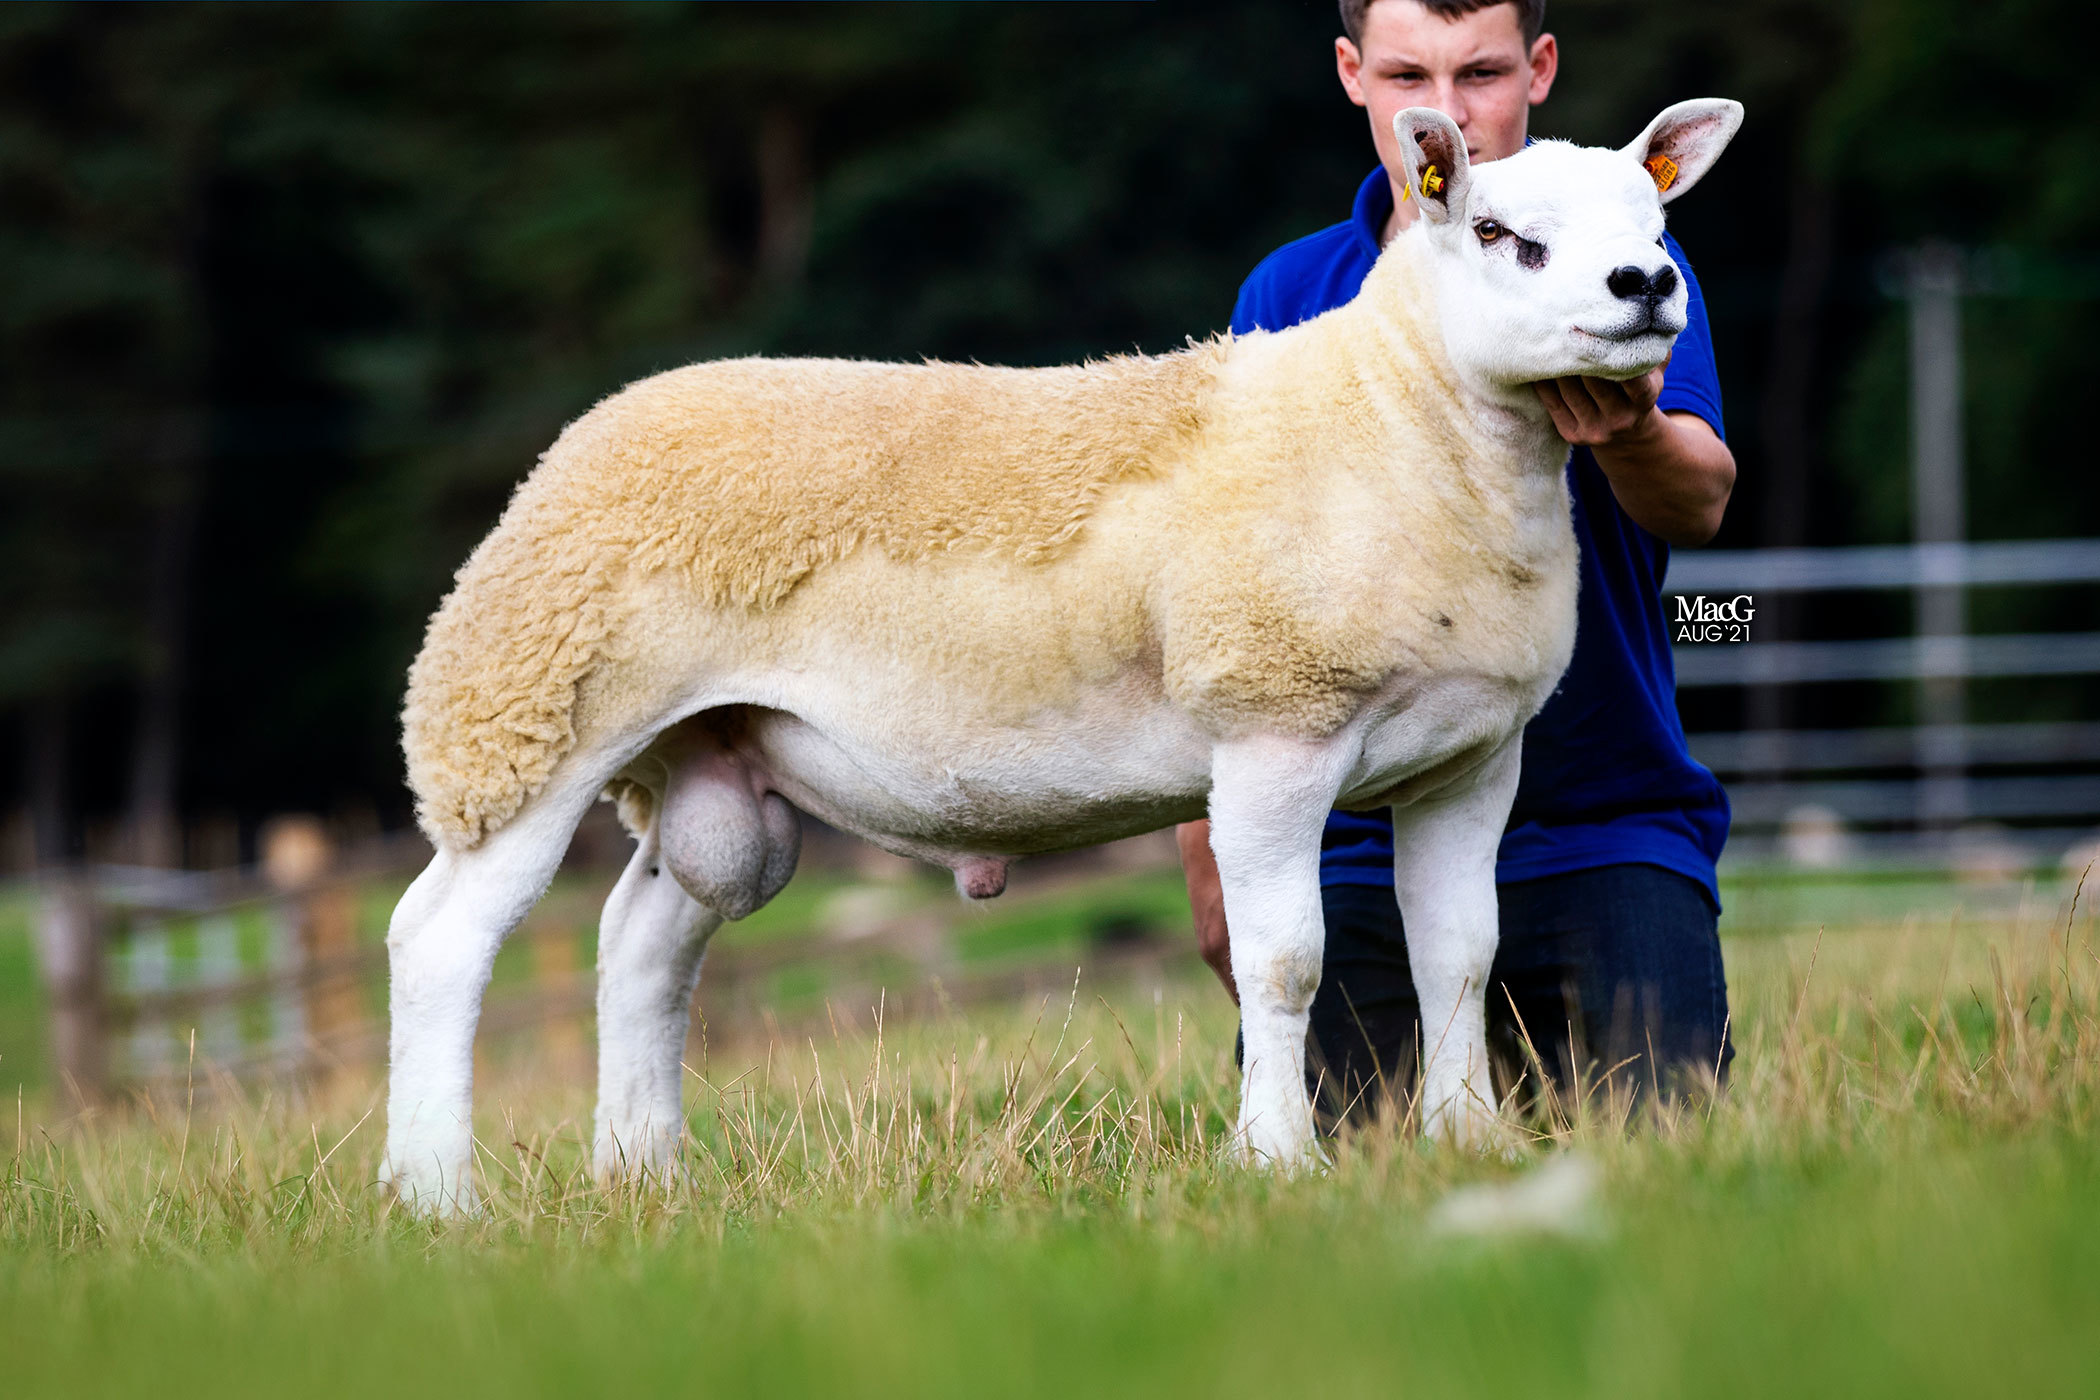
1391,611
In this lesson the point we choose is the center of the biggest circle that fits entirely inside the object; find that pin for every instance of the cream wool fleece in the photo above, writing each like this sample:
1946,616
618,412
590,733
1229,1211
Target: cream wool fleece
1267,527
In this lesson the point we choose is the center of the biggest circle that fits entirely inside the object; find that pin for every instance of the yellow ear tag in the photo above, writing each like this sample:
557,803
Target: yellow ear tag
1431,183
1662,170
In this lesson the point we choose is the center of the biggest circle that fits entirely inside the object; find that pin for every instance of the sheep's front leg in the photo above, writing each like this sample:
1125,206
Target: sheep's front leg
650,942
1268,804
1444,874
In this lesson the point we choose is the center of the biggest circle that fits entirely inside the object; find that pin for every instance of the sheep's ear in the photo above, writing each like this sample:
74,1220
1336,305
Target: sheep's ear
1684,141
1434,156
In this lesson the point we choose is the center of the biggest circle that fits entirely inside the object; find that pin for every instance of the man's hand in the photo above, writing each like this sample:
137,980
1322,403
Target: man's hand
1207,901
1670,471
1597,412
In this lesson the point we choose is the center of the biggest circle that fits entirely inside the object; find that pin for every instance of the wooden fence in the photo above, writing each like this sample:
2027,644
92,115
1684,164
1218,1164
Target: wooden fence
155,978
150,973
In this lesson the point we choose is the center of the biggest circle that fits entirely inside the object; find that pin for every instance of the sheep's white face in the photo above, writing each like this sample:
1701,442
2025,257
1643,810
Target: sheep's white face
1550,262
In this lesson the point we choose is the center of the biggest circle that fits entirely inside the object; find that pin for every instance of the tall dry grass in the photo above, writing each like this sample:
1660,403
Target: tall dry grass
1115,1101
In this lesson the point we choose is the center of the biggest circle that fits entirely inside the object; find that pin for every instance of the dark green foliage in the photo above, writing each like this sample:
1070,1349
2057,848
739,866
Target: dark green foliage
297,294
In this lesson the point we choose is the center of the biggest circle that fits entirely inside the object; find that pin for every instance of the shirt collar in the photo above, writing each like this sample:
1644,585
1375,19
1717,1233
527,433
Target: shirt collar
1374,205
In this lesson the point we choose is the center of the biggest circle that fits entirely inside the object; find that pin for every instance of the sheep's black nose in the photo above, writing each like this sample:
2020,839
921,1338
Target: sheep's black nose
1631,282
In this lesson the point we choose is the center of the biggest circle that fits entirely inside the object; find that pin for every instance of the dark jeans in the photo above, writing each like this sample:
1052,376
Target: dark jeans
1611,972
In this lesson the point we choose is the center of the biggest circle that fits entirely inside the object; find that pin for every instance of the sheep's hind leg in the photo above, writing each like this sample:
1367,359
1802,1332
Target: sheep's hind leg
718,847
1269,802
650,944
441,946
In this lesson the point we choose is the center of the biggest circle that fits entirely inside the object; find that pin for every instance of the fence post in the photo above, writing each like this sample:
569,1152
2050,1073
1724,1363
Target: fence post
296,859
1939,515
69,946
334,1008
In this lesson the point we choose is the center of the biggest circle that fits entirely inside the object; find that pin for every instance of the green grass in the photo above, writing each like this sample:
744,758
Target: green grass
1900,1194
1952,1269
22,1036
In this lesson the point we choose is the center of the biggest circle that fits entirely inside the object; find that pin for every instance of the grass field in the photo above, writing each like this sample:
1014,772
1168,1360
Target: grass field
1900,1194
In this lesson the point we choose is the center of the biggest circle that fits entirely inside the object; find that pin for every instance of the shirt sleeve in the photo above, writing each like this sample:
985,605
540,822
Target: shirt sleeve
1691,383
1248,311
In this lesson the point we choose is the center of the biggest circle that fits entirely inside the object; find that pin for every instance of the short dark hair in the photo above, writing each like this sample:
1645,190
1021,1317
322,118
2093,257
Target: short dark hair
1531,15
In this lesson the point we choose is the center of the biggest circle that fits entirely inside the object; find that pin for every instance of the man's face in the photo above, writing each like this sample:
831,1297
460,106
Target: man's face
1475,69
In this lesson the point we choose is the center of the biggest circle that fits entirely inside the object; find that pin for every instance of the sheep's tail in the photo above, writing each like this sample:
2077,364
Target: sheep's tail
491,699
635,803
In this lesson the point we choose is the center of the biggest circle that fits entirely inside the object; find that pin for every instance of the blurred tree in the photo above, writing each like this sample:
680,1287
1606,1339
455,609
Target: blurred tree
299,293
98,181
1986,134
1981,128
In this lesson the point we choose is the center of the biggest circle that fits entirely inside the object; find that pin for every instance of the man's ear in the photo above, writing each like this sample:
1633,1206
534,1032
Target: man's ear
1434,156
1684,141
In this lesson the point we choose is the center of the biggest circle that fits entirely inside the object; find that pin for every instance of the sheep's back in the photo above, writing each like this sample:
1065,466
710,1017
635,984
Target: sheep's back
746,476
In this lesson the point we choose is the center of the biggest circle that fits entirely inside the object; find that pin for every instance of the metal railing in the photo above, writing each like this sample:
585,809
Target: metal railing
1906,789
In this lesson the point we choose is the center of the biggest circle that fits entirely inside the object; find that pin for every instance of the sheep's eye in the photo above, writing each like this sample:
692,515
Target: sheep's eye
1488,230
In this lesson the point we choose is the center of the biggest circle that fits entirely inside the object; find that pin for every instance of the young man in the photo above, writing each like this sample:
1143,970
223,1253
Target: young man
1609,957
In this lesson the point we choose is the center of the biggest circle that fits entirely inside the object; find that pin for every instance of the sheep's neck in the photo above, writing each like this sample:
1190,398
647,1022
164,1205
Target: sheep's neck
1506,446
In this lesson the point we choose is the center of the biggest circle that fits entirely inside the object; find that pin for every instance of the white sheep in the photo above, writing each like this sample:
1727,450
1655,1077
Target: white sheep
972,613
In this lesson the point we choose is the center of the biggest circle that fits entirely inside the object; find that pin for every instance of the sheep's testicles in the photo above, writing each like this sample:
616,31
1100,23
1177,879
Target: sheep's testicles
729,842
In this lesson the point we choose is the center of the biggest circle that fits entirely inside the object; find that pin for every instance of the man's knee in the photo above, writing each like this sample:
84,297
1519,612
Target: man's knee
1641,949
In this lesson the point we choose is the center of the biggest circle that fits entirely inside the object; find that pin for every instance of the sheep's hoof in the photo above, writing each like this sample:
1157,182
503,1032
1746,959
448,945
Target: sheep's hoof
427,1195
1286,1153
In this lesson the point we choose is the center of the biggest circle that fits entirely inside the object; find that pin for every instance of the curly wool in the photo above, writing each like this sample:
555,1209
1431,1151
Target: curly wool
745,477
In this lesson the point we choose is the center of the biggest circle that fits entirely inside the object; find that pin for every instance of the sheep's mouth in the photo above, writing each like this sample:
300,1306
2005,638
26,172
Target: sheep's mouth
1630,334
1646,322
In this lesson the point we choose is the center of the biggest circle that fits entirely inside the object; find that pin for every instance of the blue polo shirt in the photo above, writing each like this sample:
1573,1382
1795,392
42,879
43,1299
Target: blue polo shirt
1606,776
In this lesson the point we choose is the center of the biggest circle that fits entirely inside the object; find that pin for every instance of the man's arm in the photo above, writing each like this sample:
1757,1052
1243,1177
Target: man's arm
1206,901
1670,471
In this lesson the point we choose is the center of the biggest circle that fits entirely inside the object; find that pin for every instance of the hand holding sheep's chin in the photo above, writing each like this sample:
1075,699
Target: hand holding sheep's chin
1670,471
1590,412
